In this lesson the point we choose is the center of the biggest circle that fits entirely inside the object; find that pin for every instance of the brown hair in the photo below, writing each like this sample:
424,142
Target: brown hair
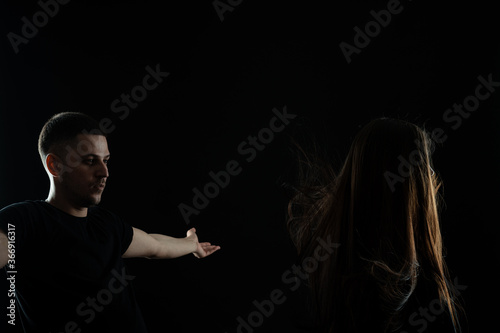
61,129
388,230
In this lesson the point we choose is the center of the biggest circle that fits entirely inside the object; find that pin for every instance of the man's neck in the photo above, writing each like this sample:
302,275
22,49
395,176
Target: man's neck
67,207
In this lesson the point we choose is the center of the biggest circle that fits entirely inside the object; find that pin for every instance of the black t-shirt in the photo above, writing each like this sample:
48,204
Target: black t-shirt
70,272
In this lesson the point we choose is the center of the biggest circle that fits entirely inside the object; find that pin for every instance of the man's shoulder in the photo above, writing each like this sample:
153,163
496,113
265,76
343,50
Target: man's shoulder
104,217
20,212
23,206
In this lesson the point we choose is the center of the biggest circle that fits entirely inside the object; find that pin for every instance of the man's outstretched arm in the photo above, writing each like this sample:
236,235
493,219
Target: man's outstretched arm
156,246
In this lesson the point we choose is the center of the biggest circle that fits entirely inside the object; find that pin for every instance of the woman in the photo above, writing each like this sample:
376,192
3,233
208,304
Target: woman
382,209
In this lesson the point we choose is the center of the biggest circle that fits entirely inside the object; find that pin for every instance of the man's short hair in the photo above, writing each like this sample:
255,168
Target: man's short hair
62,129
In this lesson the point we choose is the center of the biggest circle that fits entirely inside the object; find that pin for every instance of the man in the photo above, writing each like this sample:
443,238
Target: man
67,251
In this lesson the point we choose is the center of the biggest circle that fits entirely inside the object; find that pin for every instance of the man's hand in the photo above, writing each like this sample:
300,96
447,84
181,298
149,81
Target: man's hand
202,249
157,246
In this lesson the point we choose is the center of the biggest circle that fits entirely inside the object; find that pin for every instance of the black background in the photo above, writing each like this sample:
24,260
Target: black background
226,76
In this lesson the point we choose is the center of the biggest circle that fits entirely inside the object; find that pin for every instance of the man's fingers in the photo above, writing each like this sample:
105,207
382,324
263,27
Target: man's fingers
208,249
209,246
213,248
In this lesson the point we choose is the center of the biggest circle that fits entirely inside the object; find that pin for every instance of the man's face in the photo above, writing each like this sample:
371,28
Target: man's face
85,170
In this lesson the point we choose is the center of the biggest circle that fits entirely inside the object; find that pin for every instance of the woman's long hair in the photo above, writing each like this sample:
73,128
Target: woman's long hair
382,208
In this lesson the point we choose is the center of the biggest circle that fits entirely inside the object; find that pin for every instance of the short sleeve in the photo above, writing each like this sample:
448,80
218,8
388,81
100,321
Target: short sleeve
127,236
124,231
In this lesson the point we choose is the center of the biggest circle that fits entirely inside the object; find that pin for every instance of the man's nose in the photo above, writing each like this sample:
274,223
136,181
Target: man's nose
103,170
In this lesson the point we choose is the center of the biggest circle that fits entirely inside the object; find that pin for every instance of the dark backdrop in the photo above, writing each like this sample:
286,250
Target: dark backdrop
227,72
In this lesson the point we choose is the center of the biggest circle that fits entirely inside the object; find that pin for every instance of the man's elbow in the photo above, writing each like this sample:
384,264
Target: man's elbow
157,253
4,252
157,248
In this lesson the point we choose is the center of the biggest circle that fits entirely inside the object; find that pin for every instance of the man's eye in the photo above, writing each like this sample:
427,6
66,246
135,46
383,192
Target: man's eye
105,161
89,161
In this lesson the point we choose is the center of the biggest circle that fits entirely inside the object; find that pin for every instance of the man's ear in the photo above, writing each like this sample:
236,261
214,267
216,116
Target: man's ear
54,165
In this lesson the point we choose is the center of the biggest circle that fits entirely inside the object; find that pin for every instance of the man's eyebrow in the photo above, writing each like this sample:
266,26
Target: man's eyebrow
95,155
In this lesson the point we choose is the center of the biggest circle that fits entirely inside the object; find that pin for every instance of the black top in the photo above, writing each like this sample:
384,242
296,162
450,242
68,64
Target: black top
69,270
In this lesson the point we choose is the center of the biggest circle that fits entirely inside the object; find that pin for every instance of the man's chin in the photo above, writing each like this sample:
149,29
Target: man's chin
92,201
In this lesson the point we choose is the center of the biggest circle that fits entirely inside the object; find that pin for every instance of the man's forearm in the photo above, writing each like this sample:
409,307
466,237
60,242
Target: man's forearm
171,247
